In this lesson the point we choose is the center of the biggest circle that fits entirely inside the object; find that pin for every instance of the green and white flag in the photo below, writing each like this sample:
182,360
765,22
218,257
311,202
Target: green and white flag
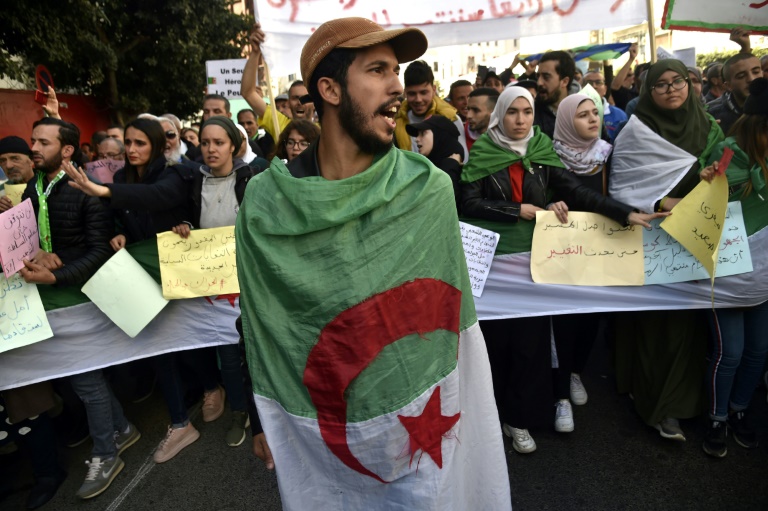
370,372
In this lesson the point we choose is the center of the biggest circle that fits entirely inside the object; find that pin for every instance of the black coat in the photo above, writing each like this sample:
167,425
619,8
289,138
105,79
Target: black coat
490,198
81,227
159,202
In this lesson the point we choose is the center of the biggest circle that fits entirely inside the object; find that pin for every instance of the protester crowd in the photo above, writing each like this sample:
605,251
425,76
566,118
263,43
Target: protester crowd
511,146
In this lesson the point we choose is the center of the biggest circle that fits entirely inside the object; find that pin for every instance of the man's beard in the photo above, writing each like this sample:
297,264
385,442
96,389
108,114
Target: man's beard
552,97
51,165
174,155
357,124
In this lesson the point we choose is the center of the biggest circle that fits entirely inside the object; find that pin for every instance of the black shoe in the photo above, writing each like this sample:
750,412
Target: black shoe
44,490
742,431
714,440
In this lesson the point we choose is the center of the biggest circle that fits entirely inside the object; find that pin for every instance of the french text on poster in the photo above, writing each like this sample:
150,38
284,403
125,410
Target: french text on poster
201,265
22,316
479,248
126,293
666,261
587,250
19,238
224,77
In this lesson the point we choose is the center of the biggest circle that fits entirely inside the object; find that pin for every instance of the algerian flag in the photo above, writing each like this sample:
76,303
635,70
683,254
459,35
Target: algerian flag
370,372
645,167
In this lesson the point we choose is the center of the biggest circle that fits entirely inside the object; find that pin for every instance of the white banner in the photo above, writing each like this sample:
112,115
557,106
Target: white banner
289,23
716,15
85,339
224,76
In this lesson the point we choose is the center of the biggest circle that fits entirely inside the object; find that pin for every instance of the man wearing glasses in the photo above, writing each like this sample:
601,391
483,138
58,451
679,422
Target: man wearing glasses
612,115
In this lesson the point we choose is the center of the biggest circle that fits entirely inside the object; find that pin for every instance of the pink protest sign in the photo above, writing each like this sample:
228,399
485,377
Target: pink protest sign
19,237
103,170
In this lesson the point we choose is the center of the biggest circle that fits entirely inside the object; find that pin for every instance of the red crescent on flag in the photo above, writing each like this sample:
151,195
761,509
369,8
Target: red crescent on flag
354,338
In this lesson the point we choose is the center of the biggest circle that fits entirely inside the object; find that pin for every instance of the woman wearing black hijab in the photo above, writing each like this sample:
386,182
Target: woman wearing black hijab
438,139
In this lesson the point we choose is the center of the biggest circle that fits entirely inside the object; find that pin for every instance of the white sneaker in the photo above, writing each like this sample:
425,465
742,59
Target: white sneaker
522,441
578,392
563,417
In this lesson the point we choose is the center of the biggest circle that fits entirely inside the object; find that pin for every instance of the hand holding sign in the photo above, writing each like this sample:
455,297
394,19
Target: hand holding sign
19,238
698,219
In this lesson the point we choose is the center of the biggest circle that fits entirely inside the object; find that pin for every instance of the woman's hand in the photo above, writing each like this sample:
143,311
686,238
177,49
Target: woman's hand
528,211
80,181
182,230
709,173
117,242
456,157
644,219
561,210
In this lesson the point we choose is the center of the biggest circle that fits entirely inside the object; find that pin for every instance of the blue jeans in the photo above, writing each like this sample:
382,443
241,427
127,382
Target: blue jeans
232,375
105,415
737,358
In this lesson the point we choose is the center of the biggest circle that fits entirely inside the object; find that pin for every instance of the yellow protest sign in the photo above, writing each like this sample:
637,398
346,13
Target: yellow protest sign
201,265
697,221
14,192
588,250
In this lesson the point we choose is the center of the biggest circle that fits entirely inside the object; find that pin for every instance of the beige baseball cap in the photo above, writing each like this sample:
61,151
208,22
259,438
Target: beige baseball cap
408,43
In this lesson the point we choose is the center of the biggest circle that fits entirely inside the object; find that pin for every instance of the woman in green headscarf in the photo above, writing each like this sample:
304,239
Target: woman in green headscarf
660,357
512,172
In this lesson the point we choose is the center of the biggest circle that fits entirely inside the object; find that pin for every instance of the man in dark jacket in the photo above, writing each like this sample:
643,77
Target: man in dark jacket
79,228
738,73
556,70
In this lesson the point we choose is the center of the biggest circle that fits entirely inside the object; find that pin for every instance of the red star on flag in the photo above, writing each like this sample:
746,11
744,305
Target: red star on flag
427,430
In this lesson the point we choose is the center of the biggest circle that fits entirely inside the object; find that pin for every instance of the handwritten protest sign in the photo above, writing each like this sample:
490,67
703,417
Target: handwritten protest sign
201,265
104,170
22,316
667,261
447,22
14,193
479,248
126,293
711,16
588,250
19,237
697,221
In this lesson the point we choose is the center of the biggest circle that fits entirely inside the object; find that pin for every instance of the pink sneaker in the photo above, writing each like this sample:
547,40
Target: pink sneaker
175,440
213,404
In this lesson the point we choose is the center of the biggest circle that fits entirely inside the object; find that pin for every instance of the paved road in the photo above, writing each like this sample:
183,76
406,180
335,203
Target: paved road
611,462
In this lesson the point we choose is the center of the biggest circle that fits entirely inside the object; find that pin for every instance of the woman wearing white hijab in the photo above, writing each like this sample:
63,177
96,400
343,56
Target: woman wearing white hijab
509,175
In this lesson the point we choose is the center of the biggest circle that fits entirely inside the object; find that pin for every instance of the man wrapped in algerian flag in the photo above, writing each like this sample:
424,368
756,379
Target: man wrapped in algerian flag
369,369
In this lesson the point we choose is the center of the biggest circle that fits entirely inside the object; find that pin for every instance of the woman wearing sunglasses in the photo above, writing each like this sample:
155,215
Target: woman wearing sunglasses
296,137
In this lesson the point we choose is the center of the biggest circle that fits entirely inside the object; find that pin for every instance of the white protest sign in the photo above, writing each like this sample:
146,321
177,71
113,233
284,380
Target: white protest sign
288,25
716,15
479,248
224,77
22,316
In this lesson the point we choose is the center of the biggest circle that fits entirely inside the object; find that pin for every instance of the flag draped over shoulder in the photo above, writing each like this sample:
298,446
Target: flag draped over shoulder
370,372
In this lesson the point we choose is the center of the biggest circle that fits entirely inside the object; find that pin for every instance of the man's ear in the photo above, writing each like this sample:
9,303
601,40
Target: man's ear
330,90
67,151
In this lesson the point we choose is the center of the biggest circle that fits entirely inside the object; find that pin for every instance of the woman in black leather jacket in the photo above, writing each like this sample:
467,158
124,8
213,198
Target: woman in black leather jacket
512,172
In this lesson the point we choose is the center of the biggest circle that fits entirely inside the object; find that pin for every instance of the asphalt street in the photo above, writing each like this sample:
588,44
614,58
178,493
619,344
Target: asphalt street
612,461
